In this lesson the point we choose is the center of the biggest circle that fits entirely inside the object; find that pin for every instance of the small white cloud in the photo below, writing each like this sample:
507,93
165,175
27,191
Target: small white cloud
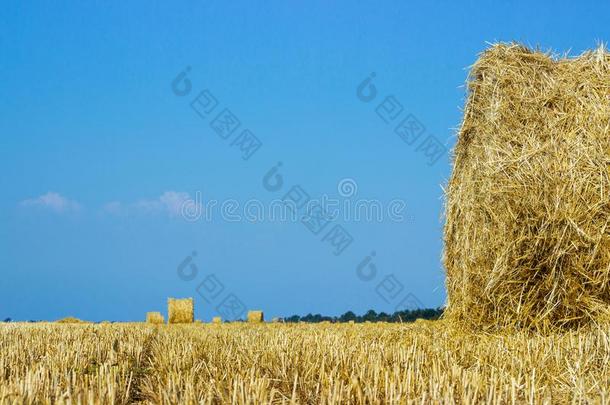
173,202
54,202
170,203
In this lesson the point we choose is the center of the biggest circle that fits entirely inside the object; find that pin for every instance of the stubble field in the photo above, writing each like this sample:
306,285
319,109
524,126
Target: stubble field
424,362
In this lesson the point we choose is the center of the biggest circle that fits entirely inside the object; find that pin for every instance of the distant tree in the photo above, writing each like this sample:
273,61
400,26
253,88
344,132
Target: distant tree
383,317
7,320
370,316
293,319
317,318
307,318
348,316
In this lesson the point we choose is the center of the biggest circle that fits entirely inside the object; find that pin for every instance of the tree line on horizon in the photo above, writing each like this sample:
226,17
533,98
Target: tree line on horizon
407,315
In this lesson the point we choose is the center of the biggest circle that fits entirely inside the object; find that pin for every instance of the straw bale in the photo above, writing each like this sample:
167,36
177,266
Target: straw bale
154,317
180,310
255,316
527,235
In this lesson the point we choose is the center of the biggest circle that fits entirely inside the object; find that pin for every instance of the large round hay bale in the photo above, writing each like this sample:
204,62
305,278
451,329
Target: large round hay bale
527,232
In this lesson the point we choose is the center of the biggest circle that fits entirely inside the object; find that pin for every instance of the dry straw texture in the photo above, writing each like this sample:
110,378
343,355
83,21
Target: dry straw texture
255,316
180,310
240,363
527,241
217,319
154,317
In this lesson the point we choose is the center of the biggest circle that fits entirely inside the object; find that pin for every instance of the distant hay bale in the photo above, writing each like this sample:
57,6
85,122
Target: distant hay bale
527,231
155,318
422,321
217,320
255,316
180,310
71,319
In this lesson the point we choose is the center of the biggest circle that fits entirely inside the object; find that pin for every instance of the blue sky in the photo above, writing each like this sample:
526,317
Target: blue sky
98,154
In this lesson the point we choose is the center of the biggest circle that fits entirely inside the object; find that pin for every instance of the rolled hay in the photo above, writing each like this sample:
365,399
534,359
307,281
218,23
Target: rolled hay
217,320
155,318
180,310
527,235
255,316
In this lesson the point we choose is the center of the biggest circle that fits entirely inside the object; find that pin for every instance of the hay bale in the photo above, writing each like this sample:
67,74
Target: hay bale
180,310
217,320
527,235
154,317
255,316
71,319
422,321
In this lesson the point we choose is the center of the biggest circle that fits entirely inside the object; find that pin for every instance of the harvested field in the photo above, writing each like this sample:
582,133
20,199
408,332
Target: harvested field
304,363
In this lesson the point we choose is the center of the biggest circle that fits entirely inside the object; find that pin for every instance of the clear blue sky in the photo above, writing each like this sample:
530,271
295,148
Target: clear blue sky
96,148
